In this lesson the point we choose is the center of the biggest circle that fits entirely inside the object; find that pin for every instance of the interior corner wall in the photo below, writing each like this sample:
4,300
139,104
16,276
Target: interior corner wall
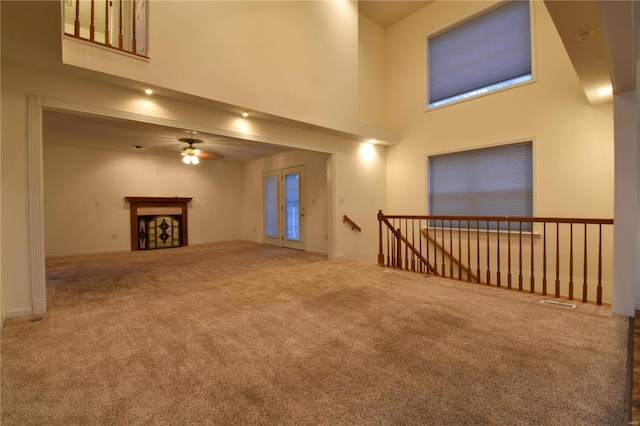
371,71
573,141
90,214
316,229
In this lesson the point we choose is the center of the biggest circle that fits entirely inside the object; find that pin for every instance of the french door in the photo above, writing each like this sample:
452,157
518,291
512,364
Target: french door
284,209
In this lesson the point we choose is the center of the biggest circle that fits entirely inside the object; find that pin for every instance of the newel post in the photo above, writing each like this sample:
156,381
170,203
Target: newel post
380,254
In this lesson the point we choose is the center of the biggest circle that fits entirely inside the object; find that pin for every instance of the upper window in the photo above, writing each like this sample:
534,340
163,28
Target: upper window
483,182
486,53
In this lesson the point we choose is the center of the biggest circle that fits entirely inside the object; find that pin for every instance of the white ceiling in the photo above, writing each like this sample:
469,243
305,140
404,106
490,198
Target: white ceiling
387,13
88,131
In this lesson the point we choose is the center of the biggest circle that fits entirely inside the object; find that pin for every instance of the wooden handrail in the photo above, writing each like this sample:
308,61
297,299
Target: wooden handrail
354,226
494,249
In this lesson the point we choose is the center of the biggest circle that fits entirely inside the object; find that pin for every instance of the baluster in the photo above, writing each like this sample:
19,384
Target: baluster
120,30
435,246
544,258
427,244
599,289
509,254
533,280
557,259
406,246
107,38
444,269
459,252
92,27
380,254
584,281
478,248
571,261
420,242
498,255
450,250
399,247
389,248
76,22
468,251
134,41
488,256
520,257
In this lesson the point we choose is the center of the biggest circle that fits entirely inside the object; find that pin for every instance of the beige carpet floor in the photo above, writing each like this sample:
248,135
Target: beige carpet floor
240,333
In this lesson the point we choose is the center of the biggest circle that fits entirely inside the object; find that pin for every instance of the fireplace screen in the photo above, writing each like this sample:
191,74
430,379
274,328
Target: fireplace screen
155,232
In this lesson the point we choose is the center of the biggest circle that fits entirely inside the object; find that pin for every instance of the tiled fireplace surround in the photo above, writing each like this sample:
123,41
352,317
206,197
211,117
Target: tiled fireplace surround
144,206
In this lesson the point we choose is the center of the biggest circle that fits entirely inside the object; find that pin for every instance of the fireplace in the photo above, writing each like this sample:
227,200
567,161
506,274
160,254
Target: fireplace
158,222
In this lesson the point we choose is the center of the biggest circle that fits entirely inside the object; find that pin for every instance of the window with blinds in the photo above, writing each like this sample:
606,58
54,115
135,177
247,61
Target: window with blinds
489,52
484,182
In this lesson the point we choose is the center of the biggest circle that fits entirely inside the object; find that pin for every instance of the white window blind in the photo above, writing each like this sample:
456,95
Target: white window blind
485,53
485,182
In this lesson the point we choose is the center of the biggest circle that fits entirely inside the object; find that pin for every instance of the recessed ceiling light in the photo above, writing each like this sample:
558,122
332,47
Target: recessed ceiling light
148,90
605,91
245,114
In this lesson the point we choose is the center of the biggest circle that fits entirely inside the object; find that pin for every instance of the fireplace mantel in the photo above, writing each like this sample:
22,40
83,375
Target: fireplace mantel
137,202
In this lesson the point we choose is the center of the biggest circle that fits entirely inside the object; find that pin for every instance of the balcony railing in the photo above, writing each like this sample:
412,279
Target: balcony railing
116,24
557,257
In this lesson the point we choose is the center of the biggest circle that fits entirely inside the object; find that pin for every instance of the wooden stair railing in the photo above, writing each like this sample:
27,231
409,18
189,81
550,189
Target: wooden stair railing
454,260
396,261
85,18
522,253
354,227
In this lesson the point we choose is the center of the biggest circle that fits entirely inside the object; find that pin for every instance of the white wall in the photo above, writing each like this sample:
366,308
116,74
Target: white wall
292,59
573,141
316,210
91,210
371,69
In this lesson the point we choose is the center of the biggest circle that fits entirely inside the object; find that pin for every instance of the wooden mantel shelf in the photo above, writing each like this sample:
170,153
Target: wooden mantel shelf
156,200
137,202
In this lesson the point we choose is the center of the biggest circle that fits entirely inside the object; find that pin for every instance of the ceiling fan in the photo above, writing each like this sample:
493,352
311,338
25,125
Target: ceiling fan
189,153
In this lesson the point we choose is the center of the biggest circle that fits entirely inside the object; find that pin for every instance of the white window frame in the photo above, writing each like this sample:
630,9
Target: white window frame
482,91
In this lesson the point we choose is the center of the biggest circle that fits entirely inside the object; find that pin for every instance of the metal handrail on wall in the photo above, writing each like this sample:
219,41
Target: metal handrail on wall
560,257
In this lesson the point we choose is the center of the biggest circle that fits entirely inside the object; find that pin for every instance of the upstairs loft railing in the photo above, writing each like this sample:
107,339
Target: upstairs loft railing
557,257
117,24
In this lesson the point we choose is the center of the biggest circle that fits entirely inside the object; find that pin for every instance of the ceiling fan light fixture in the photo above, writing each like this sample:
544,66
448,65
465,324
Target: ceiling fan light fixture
189,153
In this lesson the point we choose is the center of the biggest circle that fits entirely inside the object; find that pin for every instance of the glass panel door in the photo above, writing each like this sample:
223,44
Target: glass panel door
272,208
284,207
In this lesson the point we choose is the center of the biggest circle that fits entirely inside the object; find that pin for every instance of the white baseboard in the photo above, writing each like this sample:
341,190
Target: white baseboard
83,253
321,252
18,313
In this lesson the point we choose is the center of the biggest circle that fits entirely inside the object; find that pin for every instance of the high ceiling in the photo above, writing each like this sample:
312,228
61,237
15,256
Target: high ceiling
387,13
571,18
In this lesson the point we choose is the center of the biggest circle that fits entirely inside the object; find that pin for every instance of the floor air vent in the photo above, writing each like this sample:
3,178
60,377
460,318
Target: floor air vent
558,303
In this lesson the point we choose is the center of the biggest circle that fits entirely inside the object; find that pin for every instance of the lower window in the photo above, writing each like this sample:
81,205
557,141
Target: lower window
495,181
